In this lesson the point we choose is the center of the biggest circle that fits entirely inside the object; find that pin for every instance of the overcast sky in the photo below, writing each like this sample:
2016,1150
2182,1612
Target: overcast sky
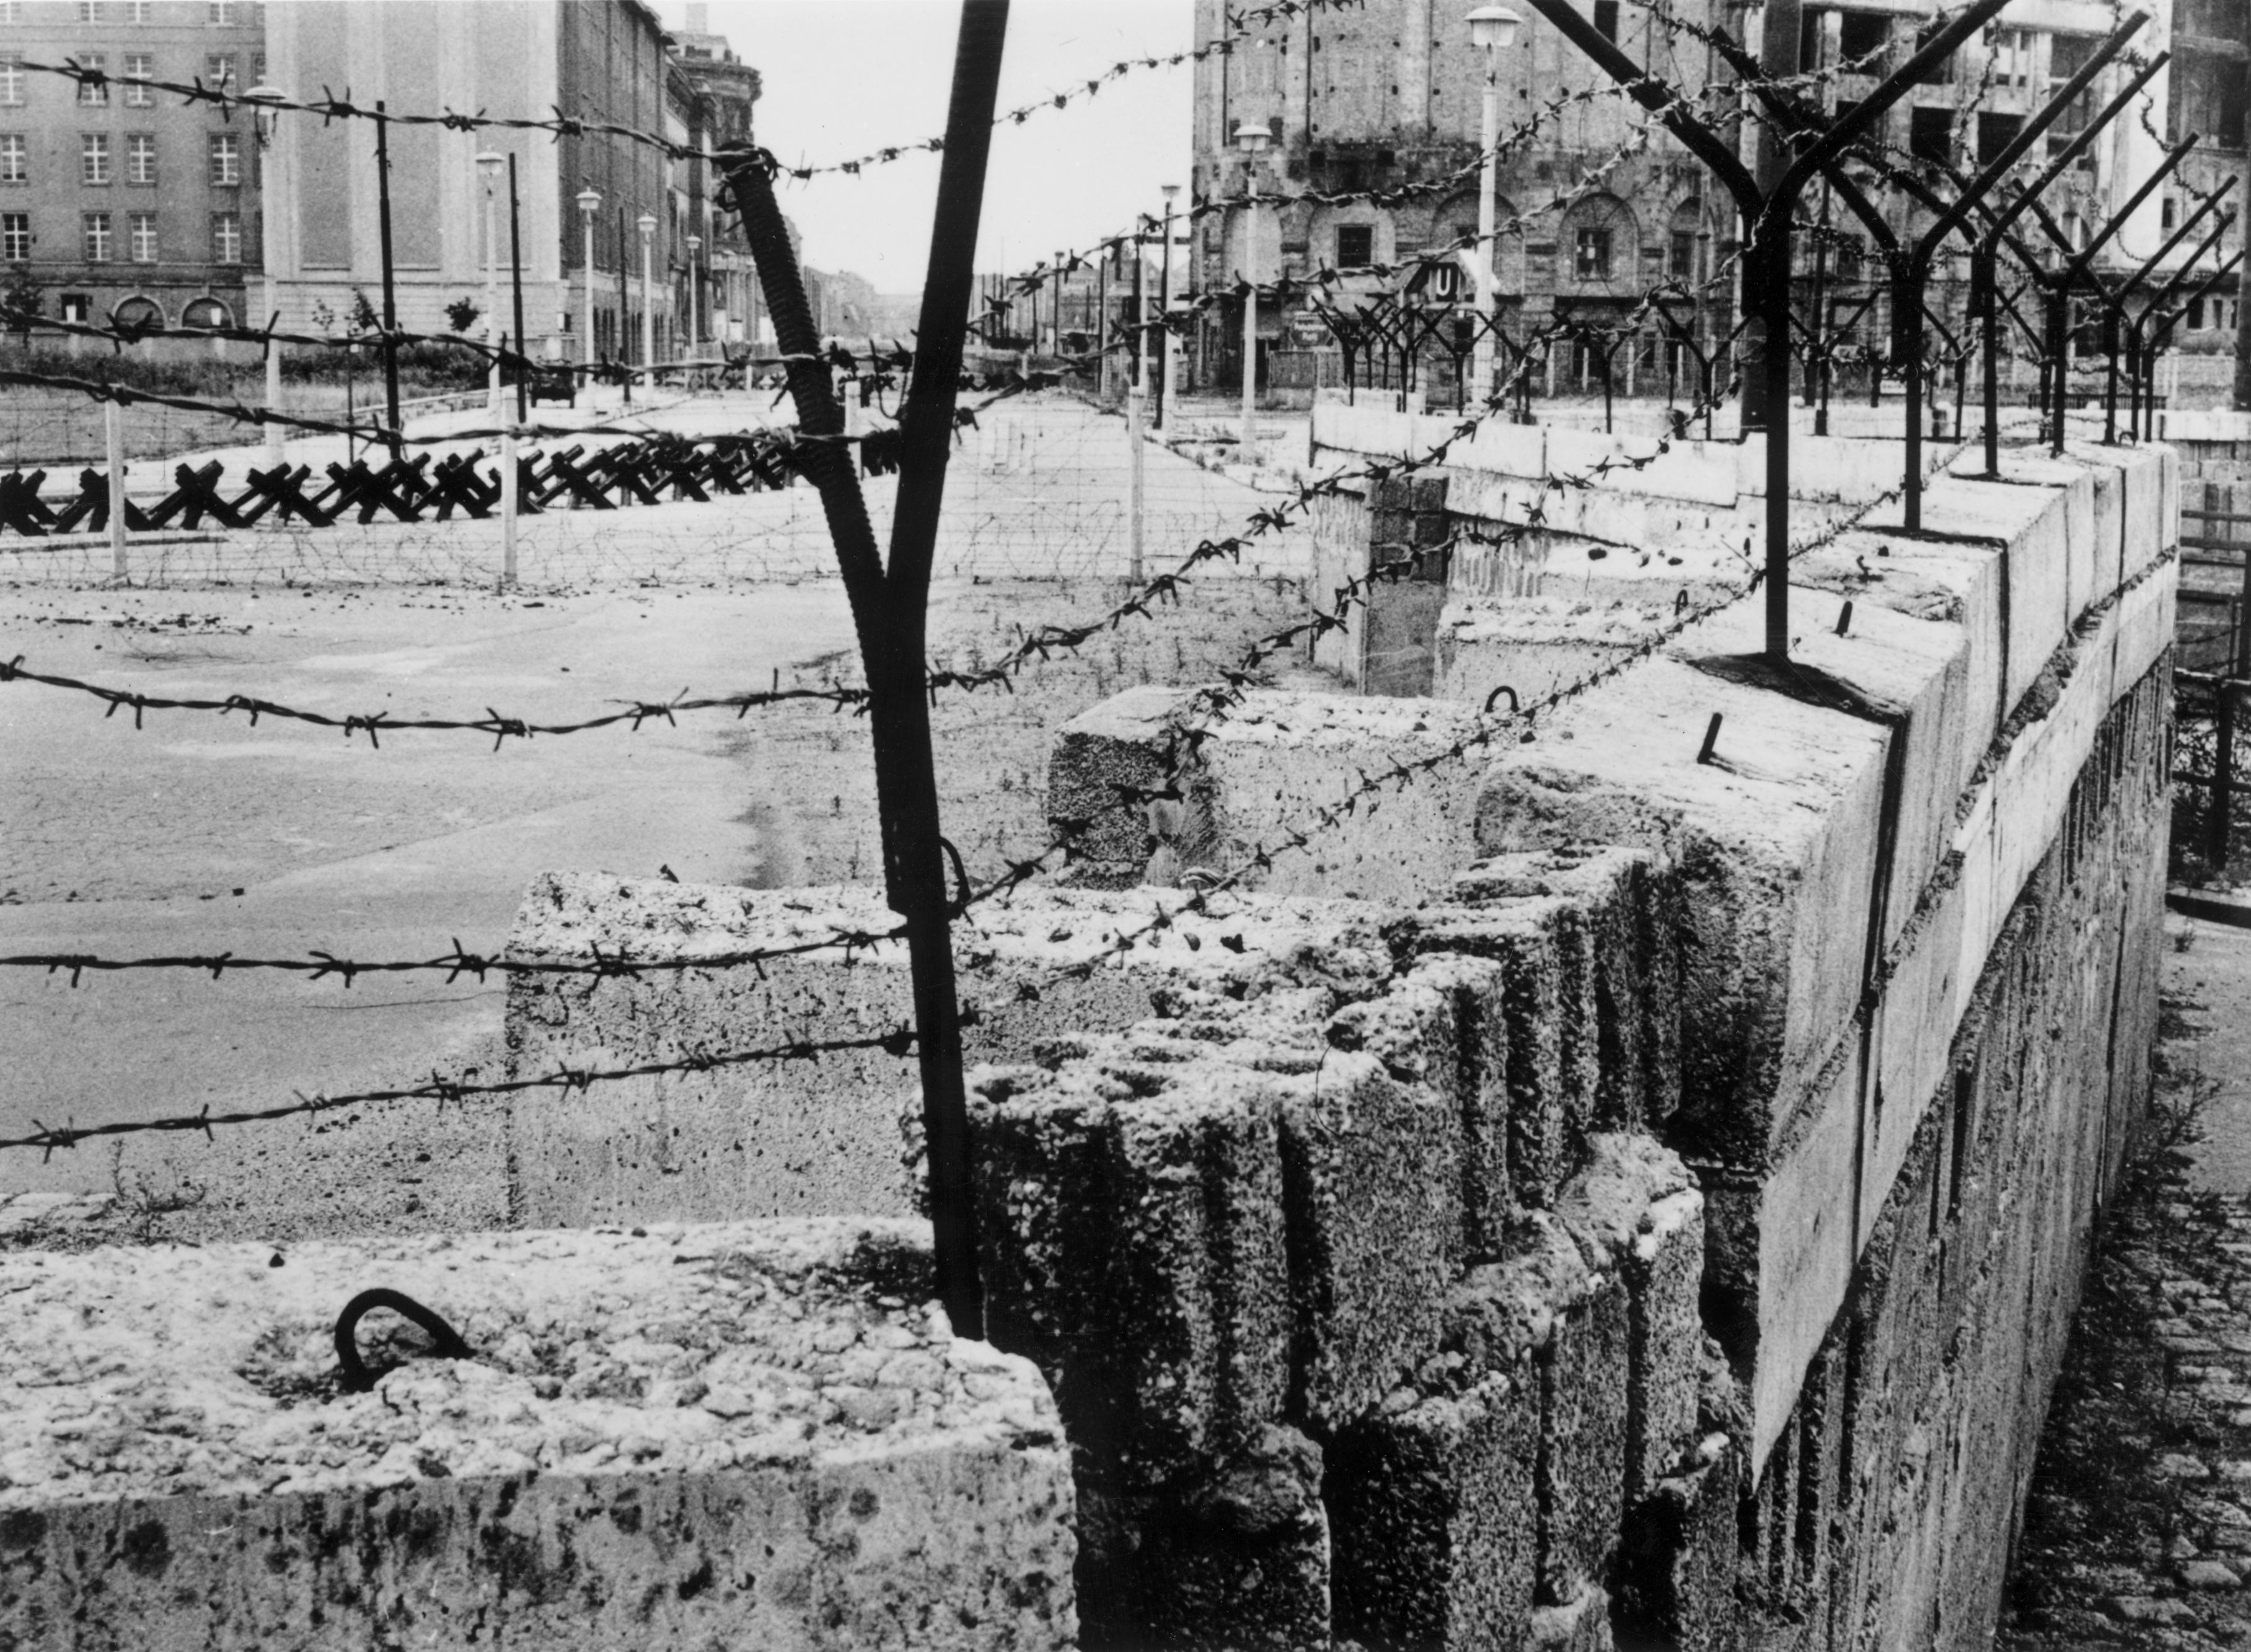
845,77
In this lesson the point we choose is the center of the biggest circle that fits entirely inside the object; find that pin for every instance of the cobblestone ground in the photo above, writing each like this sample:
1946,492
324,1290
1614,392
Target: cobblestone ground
2138,1531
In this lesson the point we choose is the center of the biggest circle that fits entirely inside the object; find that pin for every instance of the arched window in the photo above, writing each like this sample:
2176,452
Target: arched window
1599,252
137,315
1456,221
206,311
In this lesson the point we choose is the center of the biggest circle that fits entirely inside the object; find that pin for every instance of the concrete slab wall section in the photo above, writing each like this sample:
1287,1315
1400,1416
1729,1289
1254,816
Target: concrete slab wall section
755,1435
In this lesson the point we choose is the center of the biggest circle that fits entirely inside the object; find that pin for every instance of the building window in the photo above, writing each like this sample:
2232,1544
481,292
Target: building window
2170,213
225,160
141,226
221,14
1862,39
226,238
140,68
137,11
93,94
94,157
15,160
2196,315
15,235
1355,245
140,157
77,307
89,11
218,70
1995,133
1591,255
11,78
11,11
96,226
1930,135
1682,264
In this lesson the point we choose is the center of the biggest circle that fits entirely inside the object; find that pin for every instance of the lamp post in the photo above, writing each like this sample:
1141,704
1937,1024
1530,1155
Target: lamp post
1493,31
1165,309
590,202
694,296
488,166
1252,140
269,201
648,289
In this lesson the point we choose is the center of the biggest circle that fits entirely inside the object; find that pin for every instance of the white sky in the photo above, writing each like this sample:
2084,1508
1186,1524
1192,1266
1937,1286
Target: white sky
844,77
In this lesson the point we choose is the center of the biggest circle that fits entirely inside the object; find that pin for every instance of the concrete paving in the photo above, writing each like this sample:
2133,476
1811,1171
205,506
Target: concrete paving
2208,974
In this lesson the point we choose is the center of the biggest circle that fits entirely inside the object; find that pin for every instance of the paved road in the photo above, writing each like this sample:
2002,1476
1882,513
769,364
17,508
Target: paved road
200,832
2207,975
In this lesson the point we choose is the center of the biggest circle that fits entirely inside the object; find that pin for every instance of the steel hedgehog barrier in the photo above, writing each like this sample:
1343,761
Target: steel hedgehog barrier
659,470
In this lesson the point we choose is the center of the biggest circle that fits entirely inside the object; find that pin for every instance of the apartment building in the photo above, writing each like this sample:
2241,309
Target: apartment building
119,202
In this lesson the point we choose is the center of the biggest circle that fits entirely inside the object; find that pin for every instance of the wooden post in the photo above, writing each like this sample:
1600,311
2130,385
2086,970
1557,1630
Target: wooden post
508,481
2223,774
113,428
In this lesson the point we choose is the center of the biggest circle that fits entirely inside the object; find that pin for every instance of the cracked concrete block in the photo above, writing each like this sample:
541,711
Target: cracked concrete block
1371,1178
1432,1506
752,1434
1105,760
1472,993
1239,1560
1132,1232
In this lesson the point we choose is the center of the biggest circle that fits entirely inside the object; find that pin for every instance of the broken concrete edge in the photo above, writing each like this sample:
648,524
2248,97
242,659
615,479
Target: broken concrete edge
691,1415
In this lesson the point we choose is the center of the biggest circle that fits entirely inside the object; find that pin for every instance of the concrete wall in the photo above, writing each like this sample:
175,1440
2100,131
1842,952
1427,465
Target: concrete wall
1593,1193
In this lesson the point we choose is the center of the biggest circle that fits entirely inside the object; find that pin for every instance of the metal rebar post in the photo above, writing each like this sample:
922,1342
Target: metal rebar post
390,280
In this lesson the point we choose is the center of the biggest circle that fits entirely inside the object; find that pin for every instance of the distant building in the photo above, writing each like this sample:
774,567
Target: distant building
720,91
120,202
1390,94
600,61
2210,95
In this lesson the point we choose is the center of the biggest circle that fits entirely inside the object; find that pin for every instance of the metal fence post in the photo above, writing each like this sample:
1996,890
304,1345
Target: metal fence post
1136,400
508,491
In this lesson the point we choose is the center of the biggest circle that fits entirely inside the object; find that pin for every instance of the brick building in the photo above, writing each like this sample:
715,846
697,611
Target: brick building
608,61
718,92
1391,94
117,201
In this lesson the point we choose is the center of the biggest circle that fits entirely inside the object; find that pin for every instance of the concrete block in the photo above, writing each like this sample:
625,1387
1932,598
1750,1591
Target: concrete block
1768,842
1547,1010
1807,1243
1106,761
1637,1214
1371,1170
1676,1573
675,1439
1132,1232
1433,1514
1913,1064
824,1135
1474,993
1581,1624
1236,1558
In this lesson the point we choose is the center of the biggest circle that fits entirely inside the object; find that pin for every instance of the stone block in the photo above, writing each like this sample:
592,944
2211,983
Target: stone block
1432,1506
1107,760
1371,1171
1474,991
672,1440
1581,1624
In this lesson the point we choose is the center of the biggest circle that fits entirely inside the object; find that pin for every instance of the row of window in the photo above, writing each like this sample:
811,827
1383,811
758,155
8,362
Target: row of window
98,238
96,158
220,14
220,69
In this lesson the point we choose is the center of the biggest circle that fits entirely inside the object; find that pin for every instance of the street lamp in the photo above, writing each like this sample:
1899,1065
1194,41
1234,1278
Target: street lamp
647,304
1493,31
1252,140
694,296
1164,307
488,166
590,202
269,201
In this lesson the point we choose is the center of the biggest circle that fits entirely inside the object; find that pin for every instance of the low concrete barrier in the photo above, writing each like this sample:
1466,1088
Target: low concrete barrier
754,1434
